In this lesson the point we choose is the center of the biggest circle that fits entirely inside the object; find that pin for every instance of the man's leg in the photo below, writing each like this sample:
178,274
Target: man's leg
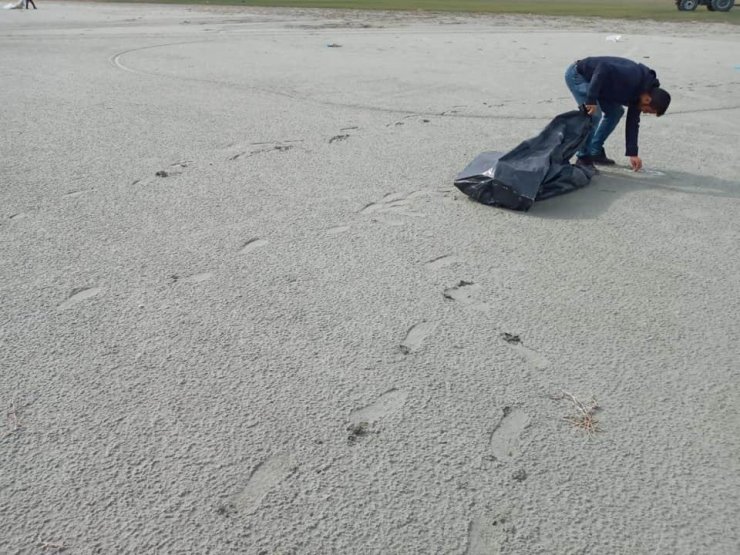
579,89
612,114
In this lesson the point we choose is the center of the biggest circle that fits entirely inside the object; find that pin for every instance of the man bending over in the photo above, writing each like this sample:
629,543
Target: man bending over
605,84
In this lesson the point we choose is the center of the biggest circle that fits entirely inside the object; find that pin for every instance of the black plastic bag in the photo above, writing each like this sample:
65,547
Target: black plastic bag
538,168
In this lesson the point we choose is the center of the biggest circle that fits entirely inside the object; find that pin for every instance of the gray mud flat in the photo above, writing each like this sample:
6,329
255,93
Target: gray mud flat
244,310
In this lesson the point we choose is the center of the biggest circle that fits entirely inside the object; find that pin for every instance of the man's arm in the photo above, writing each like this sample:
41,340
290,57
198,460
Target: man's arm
596,84
632,131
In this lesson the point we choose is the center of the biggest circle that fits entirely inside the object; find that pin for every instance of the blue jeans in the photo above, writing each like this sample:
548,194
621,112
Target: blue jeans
605,119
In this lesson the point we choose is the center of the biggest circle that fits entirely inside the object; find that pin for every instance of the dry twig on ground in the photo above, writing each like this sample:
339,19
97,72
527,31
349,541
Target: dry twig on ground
59,546
13,420
585,419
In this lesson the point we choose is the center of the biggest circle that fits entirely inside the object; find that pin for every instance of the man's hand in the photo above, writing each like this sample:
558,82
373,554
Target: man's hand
636,163
591,109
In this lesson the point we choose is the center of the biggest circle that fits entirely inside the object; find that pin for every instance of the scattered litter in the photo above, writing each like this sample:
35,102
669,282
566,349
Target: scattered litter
333,45
520,475
338,138
161,173
614,38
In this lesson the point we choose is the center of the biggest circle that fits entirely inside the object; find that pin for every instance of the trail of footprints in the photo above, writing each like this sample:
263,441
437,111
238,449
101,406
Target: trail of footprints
81,294
486,532
270,473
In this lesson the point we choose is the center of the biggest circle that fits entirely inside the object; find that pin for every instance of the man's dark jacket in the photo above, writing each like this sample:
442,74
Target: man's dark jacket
619,80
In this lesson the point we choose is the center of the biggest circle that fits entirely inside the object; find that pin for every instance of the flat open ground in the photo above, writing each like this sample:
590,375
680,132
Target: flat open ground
659,10
293,342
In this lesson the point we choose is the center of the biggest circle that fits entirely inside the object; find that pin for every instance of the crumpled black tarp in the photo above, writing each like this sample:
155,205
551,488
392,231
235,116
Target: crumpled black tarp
539,168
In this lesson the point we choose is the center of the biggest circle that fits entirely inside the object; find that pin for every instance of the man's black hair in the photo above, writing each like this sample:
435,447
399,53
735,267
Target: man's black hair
659,100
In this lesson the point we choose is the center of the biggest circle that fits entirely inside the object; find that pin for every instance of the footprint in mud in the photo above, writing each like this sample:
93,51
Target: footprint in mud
392,203
532,357
167,173
262,150
252,244
400,203
339,138
337,230
195,278
387,206
429,193
388,403
402,120
505,437
441,262
75,194
389,222
266,476
79,295
416,336
487,534
465,293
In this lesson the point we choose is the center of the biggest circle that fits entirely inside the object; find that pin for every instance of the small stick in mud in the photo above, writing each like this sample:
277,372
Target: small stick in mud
59,546
13,421
586,418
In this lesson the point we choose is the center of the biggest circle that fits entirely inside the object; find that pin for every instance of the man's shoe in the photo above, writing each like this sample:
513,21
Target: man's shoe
601,159
586,163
